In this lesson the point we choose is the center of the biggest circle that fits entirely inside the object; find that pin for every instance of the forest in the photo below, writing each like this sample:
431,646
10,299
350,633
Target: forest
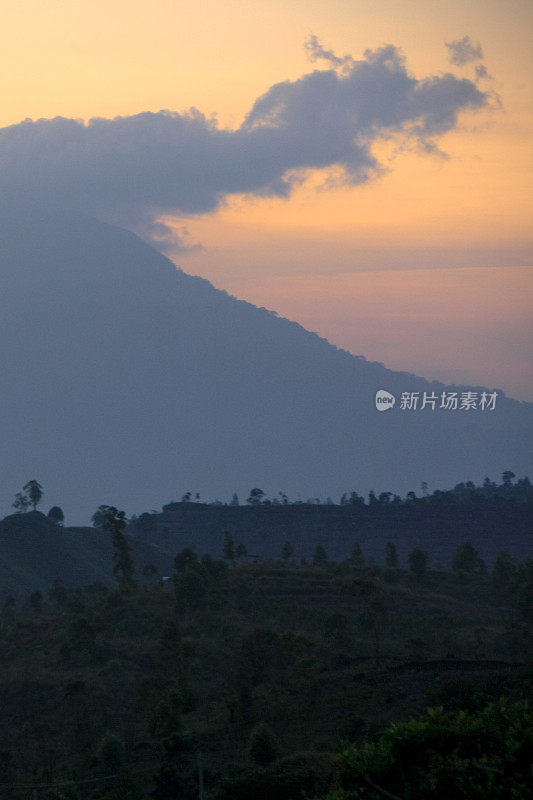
235,676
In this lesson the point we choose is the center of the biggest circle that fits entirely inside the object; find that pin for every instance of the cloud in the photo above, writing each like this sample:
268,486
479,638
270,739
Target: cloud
134,170
482,73
316,52
463,51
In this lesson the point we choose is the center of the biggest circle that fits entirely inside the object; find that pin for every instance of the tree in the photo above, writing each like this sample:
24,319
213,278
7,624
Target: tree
8,611
167,783
443,754
372,499
263,745
356,499
58,593
377,615
184,559
22,502
234,500
504,573
240,550
111,752
34,490
229,547
525,600
418,561
357,556
80,640
56,515
114,521
466,559
191,587
320,557
287,551
507,478
256,497
391,555
36,602
336,631
99,517
9,604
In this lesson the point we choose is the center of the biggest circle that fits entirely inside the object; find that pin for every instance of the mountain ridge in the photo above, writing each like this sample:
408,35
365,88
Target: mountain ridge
128,382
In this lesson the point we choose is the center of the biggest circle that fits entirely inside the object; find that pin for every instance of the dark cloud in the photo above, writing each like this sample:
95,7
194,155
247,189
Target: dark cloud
132,170
463,51
316,52
482,72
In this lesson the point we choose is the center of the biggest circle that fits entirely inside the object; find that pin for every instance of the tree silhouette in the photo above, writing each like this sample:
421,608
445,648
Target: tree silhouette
504,573
34,490
56,515
391,555
263,745
99,517
36,602
466,559
377,615
256,497
507,478
320,557
111,751
186,558
114,521
357,556
287,551
229,546
418,561
22,502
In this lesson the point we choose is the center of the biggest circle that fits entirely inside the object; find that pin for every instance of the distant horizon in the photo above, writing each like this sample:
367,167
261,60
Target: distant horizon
346,498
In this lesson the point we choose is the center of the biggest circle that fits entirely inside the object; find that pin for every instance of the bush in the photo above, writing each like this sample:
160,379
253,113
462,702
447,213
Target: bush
263,745
111,752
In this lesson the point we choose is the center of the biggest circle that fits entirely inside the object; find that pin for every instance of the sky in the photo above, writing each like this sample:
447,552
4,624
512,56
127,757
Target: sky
361,167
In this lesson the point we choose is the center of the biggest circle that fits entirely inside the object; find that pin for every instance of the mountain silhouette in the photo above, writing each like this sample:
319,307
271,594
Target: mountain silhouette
126,381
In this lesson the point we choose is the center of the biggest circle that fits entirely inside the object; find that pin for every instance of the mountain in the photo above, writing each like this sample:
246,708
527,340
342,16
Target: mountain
126,381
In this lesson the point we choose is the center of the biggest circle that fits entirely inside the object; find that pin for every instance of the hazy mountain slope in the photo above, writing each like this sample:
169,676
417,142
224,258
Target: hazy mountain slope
126,381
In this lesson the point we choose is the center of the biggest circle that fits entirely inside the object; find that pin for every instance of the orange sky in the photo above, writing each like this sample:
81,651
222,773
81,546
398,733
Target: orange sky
304,256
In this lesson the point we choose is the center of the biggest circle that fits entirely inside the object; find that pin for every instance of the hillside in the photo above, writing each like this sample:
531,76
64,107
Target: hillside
494,518
323,656
35,552
438,523
126,381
